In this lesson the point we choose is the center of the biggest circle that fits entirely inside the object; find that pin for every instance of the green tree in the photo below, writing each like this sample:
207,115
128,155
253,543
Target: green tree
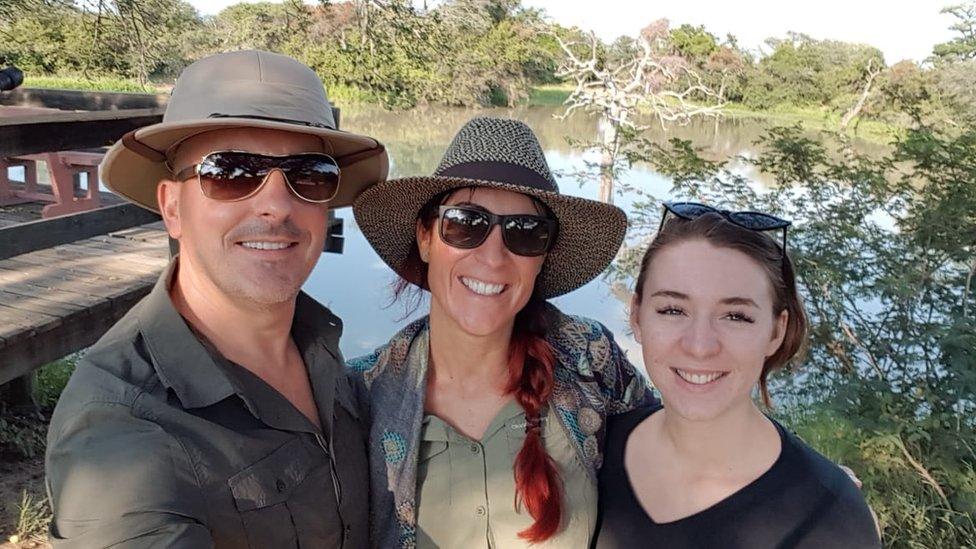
801,71
694,43
262,26
962,46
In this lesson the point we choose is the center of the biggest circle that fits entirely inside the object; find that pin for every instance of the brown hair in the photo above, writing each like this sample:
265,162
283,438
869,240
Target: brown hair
531,377
716,230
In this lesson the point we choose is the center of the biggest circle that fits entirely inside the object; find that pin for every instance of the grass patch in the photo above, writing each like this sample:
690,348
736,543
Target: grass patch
33,517
818,119
341,95
51,379
88,84
549,95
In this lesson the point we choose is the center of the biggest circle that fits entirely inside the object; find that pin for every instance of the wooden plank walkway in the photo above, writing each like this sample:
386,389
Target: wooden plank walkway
57,300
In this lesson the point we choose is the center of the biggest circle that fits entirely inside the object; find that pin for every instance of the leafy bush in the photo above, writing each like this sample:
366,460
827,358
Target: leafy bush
67,82
22,437
50,381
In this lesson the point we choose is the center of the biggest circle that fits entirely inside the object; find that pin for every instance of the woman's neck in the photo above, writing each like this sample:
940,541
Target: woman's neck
736,440
457,356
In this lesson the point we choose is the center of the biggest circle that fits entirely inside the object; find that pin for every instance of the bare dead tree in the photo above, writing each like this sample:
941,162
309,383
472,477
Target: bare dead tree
872,71
652,83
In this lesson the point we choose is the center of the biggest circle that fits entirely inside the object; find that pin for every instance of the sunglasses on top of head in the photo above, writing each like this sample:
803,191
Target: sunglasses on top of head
754,221
523,234
230,176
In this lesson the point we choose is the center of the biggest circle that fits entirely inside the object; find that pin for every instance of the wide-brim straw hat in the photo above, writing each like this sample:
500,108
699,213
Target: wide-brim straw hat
242,89
499,154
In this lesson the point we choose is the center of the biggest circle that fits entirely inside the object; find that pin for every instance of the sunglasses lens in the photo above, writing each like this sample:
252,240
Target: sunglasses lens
231,176
527,235
236,175
757,221
690,210
313,177
463,228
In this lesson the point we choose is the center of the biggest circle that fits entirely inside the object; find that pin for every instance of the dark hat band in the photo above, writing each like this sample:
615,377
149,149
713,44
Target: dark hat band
500,172
130,142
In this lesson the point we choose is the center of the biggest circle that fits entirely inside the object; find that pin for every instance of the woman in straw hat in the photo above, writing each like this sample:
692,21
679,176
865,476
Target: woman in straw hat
488,415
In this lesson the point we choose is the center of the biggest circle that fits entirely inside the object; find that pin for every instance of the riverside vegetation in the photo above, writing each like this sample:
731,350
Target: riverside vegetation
392,52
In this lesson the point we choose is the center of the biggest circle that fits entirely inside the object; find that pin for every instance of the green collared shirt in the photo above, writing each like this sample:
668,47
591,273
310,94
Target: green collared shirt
466,488
159,441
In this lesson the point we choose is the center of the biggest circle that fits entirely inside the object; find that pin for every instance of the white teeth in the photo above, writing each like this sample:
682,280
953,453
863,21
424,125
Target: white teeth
265,245
482,288
699,379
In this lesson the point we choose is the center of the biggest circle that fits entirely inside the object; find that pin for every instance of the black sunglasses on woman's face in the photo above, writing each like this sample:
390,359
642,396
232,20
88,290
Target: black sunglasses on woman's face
523,234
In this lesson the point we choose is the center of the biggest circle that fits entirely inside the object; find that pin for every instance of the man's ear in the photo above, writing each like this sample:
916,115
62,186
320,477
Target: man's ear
168,198
423,241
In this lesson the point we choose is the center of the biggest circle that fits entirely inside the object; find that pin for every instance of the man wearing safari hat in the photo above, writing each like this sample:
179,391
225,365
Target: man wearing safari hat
217,411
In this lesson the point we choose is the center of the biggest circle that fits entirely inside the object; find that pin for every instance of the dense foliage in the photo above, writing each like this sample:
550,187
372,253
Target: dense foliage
473,52
886,254
388,52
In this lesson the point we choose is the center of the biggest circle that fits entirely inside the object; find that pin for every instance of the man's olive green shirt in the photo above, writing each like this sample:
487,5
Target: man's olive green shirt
158,441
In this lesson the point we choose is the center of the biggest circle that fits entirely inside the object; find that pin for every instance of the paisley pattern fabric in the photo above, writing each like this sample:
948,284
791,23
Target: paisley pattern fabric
593,379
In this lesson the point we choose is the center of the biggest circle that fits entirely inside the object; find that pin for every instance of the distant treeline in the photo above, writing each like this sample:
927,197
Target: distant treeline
476,52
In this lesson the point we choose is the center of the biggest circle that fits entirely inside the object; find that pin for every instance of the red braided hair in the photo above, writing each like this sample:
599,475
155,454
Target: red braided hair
531,365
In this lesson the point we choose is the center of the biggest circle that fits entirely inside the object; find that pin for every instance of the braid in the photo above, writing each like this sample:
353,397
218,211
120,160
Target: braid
531,379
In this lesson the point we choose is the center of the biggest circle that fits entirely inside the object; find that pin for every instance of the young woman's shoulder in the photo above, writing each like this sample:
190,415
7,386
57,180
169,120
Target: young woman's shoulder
825,472
844,514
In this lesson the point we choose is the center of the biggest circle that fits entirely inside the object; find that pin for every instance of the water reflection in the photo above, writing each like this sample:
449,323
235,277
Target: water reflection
356,284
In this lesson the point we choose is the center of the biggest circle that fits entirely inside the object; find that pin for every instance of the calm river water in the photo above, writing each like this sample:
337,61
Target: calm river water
356,283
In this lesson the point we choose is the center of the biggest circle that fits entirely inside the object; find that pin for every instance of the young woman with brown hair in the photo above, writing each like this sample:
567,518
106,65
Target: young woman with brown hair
716,309
488,415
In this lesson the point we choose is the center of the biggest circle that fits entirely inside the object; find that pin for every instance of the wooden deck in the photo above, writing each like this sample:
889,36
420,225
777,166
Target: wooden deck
60,299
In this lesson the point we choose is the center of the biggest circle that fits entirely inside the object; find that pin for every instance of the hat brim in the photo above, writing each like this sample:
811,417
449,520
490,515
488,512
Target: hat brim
135,177
589,236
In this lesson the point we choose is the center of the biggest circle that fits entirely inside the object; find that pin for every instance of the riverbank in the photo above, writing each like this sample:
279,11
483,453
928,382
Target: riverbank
811,118
547,95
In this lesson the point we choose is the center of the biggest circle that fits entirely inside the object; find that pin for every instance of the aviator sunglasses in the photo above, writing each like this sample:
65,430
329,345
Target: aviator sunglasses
523,234
229,176
754,221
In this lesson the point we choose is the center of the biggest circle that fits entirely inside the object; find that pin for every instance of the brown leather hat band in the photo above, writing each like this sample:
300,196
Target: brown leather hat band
130,142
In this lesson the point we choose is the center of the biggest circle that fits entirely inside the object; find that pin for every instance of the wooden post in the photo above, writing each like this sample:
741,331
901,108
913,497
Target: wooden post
17,396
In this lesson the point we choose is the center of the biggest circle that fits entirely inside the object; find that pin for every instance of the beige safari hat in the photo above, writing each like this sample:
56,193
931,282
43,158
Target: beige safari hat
242,89
502,154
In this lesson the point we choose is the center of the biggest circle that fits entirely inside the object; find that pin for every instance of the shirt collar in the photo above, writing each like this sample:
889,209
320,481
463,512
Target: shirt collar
184,364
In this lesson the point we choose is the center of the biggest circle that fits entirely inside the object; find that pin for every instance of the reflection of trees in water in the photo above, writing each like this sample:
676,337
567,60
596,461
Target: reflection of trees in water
417,138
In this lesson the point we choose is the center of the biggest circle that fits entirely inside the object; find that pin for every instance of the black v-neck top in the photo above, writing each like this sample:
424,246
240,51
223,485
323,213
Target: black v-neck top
804,501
